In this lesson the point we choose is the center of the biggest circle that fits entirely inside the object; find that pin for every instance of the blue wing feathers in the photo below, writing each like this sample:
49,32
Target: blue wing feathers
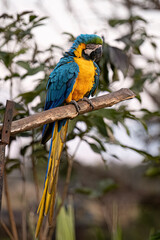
60,85
61,82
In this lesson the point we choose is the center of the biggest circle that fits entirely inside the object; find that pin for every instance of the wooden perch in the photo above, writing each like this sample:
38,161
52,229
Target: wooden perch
5,138
69,111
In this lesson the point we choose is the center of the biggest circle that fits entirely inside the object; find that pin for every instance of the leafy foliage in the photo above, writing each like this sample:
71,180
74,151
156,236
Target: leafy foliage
103,187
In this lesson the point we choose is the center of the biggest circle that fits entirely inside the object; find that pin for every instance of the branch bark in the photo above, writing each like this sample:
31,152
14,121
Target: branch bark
69,111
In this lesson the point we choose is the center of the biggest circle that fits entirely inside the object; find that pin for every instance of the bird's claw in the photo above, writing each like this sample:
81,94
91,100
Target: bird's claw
76,105
88,101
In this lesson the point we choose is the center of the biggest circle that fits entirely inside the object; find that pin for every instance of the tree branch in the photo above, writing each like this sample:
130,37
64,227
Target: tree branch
69,111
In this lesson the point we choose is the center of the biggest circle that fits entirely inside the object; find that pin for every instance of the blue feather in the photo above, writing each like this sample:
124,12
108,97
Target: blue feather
60,84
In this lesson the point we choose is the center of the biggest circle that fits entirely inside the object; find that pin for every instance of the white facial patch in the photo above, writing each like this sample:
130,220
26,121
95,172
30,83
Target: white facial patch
91,47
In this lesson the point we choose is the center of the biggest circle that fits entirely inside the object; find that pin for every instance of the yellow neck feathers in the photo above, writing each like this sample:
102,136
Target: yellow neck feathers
78,51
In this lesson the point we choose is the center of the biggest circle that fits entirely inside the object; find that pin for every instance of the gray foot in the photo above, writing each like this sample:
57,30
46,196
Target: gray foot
88,101
76,105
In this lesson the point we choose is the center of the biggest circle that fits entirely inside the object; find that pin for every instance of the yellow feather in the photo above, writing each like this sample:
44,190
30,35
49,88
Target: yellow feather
78,51
49,193
41,209
85,79
47,203
52,203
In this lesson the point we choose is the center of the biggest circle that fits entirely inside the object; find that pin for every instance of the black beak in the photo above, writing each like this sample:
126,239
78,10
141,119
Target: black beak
96,55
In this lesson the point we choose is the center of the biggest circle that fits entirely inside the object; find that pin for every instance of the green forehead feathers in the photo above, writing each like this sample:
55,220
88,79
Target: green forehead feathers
95,40
86,39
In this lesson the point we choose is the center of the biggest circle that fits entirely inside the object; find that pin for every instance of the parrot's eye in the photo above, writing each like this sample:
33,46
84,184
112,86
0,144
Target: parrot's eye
91,46
93,52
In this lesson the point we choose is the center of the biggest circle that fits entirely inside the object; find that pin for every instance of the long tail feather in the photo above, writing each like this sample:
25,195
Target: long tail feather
52,203
49,193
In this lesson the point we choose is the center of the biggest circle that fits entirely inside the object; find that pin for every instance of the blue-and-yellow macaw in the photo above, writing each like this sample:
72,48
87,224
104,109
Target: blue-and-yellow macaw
76,76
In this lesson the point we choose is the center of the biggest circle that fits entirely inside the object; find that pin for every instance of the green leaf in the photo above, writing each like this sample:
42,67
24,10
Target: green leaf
94,147
32,17
148,115
154,45
137,18
126,128
33,71
103,187
117,233
71,125
99,141
6,57
37,25
97,121
116,21
40,152
138,42
65,226
24,150
72,38
39,20
30,70
25,13
136,50
5,15
147,156
12,164
28,96
106,185
125,39
13,75
21,51
100,234
110,114
24,64
83,190
153,171
19,107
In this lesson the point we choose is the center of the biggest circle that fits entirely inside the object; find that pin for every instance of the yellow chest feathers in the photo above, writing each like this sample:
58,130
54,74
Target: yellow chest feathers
84,81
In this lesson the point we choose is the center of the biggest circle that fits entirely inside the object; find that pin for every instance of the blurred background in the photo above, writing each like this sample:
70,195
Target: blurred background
114,190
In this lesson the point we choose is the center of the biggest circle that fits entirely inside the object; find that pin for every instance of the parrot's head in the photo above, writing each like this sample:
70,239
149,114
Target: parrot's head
88,46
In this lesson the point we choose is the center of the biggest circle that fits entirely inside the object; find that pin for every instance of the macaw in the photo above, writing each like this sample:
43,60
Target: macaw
75,77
